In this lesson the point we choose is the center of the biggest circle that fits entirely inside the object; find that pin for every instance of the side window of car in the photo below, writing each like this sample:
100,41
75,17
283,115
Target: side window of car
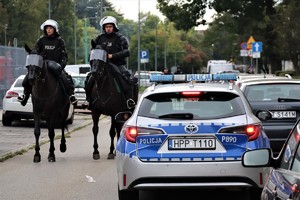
289,151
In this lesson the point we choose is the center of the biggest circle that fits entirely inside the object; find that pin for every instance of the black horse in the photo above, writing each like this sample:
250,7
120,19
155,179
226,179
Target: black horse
107,96
48,100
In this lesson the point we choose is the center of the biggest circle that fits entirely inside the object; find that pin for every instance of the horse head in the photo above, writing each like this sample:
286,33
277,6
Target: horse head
98,58
34,64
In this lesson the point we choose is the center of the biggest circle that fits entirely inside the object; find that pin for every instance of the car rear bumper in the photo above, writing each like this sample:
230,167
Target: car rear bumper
143,175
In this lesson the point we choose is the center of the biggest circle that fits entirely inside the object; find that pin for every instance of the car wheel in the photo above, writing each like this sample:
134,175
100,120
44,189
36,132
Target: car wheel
6,121
128,194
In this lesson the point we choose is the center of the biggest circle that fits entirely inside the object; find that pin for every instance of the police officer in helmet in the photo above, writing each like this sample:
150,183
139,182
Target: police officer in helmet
52,47
117,50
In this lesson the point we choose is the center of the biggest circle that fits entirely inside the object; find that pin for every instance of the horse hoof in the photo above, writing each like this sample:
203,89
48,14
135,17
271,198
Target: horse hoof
37,159
51,159
96,156
63,148
111,156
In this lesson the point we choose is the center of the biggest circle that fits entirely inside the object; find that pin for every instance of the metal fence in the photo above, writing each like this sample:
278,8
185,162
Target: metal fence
12,65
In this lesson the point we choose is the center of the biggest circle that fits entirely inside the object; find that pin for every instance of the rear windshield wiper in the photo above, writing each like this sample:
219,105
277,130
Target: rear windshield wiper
177,116
288,100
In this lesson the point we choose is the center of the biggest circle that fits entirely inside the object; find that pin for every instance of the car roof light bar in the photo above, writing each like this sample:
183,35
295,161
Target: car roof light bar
179,78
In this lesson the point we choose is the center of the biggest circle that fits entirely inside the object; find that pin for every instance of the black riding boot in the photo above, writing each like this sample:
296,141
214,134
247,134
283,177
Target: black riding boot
24,98
67,84
89,83
129,91
27,91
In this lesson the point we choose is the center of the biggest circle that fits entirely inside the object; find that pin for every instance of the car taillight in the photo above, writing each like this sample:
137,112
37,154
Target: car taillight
10,94
131,132
251,130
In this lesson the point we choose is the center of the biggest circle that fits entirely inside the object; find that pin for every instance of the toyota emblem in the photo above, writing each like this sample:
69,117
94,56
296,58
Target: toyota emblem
191,128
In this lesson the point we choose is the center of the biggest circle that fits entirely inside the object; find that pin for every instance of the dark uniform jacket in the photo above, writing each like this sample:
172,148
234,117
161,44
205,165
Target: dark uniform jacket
114,44
52,48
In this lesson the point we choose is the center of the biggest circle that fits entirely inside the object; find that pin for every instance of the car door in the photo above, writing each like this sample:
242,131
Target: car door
284,182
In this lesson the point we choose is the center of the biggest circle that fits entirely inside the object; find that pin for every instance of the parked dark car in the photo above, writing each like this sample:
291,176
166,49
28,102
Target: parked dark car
283,181
280,96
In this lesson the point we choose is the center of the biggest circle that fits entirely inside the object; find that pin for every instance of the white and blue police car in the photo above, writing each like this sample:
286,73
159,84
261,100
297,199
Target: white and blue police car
190,132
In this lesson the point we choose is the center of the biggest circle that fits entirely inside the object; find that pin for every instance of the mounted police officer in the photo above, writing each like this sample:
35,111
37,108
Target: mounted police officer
52,47
117,50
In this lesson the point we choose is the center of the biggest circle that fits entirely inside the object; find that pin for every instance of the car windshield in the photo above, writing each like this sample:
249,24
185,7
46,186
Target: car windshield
271,92
207,105
78,81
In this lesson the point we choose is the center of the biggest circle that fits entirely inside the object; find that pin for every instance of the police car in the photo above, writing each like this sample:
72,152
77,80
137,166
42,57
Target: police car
190,134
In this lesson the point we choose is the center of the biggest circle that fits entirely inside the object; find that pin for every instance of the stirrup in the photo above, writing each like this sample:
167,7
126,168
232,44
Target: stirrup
21,98
130,103
73,100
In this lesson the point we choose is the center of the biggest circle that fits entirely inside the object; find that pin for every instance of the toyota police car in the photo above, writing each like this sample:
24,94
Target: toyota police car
189,134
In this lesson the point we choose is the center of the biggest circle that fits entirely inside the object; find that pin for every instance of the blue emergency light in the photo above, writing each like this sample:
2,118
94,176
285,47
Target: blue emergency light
176,78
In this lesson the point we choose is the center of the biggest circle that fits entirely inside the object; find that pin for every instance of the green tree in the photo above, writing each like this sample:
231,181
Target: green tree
289,29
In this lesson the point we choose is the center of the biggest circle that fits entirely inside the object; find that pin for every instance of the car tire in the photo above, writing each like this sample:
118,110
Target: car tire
128,194
6,121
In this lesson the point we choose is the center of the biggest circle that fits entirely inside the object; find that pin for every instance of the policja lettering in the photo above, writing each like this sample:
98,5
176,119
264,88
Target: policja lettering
150,141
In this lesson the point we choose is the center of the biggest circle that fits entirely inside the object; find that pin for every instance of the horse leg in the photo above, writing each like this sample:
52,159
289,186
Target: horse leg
63,146
114,128
112,134
37,133
95,116
51,135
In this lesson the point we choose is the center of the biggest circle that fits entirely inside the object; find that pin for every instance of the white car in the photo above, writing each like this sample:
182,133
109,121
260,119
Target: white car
14,111
189,135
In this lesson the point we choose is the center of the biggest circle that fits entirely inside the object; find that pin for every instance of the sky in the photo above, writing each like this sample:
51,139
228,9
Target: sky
130,9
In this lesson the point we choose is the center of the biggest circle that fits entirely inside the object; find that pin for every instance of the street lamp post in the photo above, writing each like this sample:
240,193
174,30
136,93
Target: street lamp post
175,58
5,27
75,35
49,9
139,43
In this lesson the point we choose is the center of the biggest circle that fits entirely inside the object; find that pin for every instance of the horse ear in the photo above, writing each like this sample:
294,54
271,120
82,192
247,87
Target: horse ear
93,43
27,49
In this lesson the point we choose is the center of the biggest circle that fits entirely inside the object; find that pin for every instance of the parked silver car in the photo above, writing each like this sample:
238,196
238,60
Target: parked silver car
79,80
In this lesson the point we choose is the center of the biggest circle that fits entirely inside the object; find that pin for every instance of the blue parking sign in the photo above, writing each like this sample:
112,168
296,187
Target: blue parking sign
144,55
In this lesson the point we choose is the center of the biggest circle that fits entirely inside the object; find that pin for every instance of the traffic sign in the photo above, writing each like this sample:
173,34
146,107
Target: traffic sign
256,54
244,45
144,55
244,53
257,46
249,42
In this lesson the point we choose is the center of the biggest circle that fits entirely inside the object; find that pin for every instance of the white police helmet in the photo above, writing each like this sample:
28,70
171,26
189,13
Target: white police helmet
109,20
50,22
